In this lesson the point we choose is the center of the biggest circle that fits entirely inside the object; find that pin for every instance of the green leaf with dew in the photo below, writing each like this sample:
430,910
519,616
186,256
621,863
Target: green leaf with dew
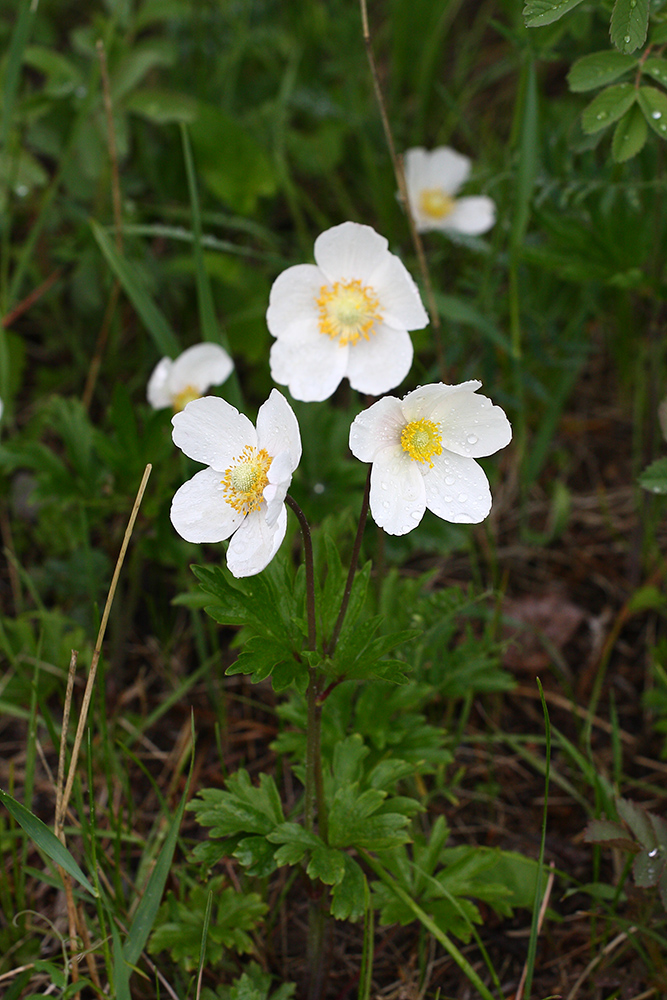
654,476
653,103
540,12
598,69
629,24
630,135
655,68
608,107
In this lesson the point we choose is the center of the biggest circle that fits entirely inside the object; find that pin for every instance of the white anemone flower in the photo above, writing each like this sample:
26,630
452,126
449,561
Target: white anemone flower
175,382
432,178
423,449
347,316
242,492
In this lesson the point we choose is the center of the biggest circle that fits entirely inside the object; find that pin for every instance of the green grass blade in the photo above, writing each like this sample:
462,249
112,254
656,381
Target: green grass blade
144,917
45,840
121,971
534,929
17,45
154,320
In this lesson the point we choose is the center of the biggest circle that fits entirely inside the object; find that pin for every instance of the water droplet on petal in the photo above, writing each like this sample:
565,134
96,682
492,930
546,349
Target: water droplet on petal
472,439
385,504
462,497
448,499
450,480
416,516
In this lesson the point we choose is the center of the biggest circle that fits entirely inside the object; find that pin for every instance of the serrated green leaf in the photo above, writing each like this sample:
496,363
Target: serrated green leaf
605,831
347,896
598,69
45,840
539,12
256,855
240,807
610,105
655,68
638,820
648,867
653,103
327,864
258,658
654,476
629,24
630,135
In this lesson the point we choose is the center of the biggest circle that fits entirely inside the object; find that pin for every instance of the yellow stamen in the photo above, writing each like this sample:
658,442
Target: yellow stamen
348,310
245,481
185,396
435,203
421,439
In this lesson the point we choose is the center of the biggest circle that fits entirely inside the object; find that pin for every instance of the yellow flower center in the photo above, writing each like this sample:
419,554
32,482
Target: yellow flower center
245,481
185,396
435,203
348,310
421,439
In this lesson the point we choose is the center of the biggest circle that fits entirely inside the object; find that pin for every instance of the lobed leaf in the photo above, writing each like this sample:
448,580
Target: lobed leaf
654,476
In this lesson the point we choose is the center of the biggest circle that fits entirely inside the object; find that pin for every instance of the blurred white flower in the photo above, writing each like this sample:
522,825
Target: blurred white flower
242,492
175,383
432,178
348,315
2,408
423,449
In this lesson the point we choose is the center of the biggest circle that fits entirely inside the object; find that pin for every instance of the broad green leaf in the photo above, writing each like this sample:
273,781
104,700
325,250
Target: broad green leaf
259,656
638,820
598,69
630,135
608,107
234,166
162,106
653,103
656,68
327,864
348,895
648,867
606,831
629,24
540,12
654,477
45,840
256,855
154,320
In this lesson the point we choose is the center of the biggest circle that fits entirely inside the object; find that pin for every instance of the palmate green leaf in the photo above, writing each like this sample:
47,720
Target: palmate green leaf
348,895
256,855
539,12
653,103
654,477
241,807
630,135
598,69
260,655
608,107
355,820
45,840
629,24
259,601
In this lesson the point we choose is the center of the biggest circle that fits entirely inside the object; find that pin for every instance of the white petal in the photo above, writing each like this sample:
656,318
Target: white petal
400,302
471,425
447,169
157,391
280,477
457,489
415,165
471,216
350,251
200,366
312,368
278,428
376,428
255,544
199,511
293,301
212,431
421,402
380,363
398,498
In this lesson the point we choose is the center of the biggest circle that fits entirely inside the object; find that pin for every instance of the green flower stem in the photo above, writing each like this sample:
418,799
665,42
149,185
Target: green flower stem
331,644
310,573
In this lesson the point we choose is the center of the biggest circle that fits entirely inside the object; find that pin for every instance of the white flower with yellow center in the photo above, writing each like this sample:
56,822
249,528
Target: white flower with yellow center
242,492
175,383
348,315
432,178
423,449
